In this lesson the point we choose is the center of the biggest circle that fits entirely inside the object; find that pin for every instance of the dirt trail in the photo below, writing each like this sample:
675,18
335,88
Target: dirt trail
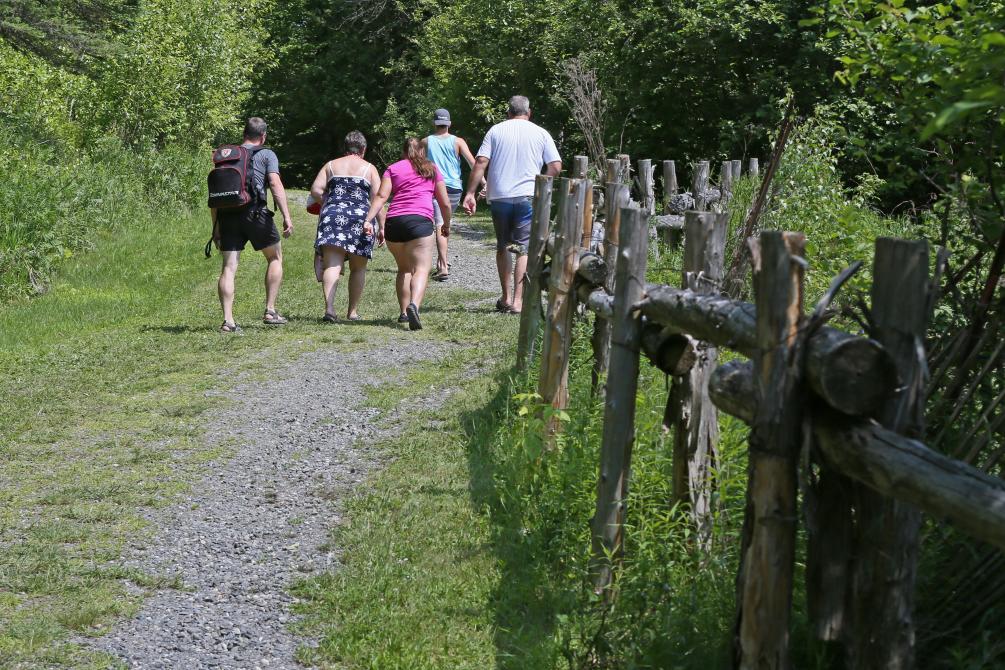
262,519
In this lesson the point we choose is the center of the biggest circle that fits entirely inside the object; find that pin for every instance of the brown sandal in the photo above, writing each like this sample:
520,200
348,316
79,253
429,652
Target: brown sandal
272,318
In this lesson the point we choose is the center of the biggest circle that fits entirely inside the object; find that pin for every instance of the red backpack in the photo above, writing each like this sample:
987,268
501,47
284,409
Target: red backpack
230,181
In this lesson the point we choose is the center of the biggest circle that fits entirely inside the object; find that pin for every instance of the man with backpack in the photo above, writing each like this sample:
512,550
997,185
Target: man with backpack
238,206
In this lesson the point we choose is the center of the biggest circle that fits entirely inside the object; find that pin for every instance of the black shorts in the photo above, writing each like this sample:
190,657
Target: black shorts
240,227
407,228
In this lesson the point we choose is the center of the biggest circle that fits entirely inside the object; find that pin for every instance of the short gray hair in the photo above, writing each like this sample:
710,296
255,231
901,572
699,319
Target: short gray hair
355,143
519,105
255,128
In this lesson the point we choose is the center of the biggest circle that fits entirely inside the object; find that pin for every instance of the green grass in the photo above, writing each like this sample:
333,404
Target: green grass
108,380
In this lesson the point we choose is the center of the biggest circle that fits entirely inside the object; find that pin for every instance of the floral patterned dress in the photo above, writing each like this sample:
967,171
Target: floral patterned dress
340,223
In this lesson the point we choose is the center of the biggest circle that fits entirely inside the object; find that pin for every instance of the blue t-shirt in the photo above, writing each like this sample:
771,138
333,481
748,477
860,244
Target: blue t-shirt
442,151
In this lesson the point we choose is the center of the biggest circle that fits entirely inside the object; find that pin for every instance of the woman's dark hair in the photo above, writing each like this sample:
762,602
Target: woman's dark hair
416,155
355,143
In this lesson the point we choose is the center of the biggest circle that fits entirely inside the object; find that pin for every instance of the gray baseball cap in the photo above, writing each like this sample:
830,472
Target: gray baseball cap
441,117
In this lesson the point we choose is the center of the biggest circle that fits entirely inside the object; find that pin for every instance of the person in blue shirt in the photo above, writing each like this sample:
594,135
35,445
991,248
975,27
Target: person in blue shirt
445,151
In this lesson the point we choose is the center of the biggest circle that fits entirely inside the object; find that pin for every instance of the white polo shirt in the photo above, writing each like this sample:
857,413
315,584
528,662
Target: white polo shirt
516,149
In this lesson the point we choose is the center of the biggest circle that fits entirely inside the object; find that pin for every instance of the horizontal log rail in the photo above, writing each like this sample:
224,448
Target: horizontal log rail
855,375
885,461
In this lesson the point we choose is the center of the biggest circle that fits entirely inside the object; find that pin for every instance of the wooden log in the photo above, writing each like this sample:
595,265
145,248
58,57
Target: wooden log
754,167
591,268
692,415
530,316
580,165
624,169
613,170
886,462
852,374
668,222
646,185
587,227
669,181
737,171
726,182
671,353
887,531
553,384
616,197
597,300
619,404
699,185
767,558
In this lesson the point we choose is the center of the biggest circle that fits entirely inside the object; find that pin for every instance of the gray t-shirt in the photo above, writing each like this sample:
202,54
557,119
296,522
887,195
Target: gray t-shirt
265,163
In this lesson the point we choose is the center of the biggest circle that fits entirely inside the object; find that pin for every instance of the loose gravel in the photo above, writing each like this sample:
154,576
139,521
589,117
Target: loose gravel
262,519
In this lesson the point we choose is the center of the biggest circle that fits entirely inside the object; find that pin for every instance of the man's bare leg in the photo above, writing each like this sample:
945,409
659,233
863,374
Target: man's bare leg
273,274
504,265
442,264
518,274
225,287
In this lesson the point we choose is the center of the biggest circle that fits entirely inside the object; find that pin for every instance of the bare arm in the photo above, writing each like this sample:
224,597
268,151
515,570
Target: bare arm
443,200
477,175
318,187
465,153
377,204
553,169
279,195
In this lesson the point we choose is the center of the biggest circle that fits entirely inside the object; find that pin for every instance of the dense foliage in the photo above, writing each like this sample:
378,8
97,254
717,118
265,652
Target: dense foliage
107,110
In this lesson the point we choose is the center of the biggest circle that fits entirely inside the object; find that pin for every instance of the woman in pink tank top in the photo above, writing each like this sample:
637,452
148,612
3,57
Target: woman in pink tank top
411,183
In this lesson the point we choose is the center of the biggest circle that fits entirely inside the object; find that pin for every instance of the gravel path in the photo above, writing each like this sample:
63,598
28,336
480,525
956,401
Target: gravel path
262,519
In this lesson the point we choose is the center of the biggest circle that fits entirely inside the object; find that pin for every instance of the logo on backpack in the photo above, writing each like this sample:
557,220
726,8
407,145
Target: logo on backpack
231,181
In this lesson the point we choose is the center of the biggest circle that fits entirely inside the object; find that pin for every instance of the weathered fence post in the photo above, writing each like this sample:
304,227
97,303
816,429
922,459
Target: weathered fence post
613,170
669,183
615,199
624,168
754,167
699,185
725,183
580,164
764,582
587,236
619,406
553,384
887,530
694,417
646,186
530,316
737,170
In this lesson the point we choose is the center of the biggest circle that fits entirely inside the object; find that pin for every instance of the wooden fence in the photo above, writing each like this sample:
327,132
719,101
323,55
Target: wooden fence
852,406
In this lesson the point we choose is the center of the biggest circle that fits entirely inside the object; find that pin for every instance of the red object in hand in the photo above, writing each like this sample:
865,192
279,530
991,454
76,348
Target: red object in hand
313,206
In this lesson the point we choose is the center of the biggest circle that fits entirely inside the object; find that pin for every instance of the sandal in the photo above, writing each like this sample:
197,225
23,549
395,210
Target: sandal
402,318
272,318
228,327
355,318
439,276
503,307
329,318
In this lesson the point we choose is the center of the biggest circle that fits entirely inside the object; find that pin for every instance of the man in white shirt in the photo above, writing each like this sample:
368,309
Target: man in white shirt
513,152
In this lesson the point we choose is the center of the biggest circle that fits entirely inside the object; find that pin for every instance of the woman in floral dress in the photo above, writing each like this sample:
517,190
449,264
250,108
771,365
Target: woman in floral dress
345,186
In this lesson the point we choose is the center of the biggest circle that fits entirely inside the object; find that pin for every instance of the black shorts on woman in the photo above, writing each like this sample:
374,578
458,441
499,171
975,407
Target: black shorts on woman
407,227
